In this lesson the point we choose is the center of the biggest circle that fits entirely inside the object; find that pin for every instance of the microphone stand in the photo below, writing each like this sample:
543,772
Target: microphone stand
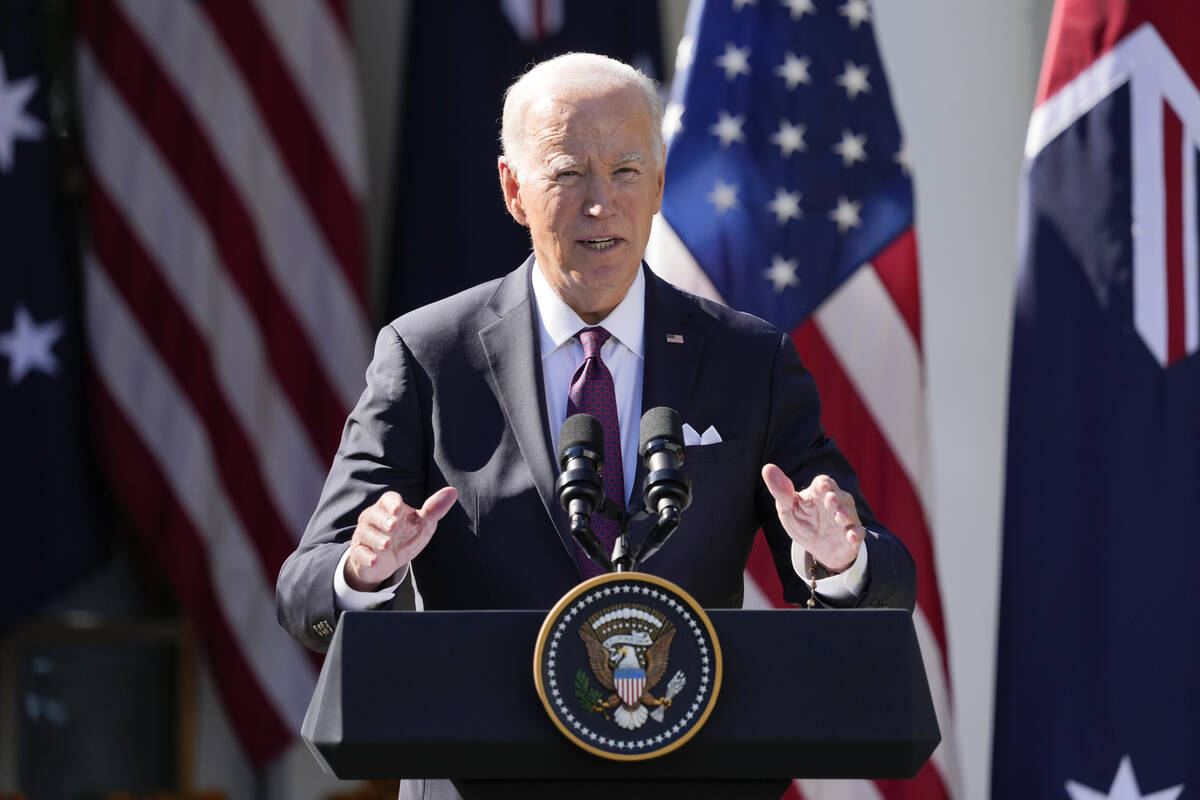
623,558
622,554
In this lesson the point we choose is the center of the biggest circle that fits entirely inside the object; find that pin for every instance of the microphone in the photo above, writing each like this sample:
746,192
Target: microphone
668,490
661,449
579,487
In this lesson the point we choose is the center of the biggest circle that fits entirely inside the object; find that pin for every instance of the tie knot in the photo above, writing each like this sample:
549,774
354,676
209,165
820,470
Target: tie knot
592,340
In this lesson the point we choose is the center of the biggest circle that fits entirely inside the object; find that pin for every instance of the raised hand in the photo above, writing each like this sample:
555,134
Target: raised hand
390,534
821,519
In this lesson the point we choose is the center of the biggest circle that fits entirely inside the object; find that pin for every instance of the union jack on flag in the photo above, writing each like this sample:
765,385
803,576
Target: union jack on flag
788,196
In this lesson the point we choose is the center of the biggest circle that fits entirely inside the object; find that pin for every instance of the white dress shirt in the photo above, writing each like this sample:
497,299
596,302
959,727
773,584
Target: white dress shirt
624,355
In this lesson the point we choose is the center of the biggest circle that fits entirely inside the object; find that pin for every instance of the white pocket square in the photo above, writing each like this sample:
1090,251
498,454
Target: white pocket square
693,439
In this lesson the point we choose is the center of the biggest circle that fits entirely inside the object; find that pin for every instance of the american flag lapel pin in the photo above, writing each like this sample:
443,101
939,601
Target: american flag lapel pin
674,338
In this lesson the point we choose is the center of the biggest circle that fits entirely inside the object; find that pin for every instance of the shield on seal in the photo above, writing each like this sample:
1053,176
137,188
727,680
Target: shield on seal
630,683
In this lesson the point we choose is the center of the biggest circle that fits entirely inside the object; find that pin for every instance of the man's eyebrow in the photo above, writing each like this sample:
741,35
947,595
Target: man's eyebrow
564,162
626,158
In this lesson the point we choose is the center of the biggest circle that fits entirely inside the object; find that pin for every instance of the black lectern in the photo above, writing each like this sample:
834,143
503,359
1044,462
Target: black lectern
438,694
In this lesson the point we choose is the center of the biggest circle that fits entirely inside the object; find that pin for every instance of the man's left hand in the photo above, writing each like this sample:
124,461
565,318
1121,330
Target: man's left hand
821,519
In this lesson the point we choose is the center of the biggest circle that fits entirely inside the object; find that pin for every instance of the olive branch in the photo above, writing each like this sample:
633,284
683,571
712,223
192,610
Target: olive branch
589,696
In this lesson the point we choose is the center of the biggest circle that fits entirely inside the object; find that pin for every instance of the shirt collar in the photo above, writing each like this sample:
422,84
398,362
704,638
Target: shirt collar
559,322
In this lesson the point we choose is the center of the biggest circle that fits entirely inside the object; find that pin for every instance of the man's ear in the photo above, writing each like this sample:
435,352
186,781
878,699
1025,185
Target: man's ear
512,191
662,182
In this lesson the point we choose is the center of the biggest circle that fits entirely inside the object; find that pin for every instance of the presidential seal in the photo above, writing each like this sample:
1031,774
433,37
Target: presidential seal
628,666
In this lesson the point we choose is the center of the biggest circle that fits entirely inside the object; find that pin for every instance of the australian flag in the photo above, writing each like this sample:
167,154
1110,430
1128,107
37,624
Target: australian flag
48,536
451,230
1100,610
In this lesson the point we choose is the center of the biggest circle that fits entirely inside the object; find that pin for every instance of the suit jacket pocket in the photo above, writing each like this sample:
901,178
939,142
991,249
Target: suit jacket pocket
706,453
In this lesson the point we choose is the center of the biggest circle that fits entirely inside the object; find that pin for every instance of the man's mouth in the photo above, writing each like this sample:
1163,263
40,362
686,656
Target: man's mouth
599,244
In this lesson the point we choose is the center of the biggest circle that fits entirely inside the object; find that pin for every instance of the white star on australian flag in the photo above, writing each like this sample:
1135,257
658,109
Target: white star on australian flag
29,345
1124,787
15,120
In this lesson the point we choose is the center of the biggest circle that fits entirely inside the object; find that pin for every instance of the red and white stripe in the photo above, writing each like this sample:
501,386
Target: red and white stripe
863,345
630,689
225,303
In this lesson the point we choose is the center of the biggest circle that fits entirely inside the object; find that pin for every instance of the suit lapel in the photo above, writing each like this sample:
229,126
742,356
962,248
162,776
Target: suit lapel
513,351
669,371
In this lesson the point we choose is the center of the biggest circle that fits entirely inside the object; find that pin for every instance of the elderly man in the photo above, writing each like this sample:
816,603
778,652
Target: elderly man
446,467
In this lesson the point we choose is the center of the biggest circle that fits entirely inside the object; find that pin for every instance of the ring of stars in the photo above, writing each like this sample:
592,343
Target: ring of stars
651,741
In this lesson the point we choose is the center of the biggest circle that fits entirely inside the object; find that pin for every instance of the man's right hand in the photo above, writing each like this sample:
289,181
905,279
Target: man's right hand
390,534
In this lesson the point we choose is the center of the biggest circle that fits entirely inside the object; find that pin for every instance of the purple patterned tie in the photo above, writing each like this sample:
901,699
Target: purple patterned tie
592,393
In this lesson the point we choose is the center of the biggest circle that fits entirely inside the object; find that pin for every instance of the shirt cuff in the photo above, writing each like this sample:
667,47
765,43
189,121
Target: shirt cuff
347,599
845,586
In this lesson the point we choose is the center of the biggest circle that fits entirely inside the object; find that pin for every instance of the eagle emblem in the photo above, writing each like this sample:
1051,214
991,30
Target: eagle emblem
628,649
602,661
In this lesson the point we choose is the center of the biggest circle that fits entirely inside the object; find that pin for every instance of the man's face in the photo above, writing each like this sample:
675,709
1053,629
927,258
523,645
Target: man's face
587,191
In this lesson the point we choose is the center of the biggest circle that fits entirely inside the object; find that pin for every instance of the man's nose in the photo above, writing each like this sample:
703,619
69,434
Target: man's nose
599,199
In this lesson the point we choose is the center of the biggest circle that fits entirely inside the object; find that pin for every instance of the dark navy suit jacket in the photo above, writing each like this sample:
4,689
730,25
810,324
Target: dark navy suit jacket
454,397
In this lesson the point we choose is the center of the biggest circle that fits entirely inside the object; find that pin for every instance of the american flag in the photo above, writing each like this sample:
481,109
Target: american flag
224,294
788,196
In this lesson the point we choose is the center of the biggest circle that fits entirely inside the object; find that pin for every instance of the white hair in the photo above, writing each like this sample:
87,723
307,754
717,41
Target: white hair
584,71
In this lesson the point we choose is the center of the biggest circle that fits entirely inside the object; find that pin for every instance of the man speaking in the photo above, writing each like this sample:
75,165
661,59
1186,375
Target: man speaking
447,465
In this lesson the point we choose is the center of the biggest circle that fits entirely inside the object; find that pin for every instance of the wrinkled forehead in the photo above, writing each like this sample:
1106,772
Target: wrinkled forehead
613,124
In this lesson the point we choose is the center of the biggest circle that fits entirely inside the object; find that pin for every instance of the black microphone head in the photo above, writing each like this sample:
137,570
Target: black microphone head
660,423
580,430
